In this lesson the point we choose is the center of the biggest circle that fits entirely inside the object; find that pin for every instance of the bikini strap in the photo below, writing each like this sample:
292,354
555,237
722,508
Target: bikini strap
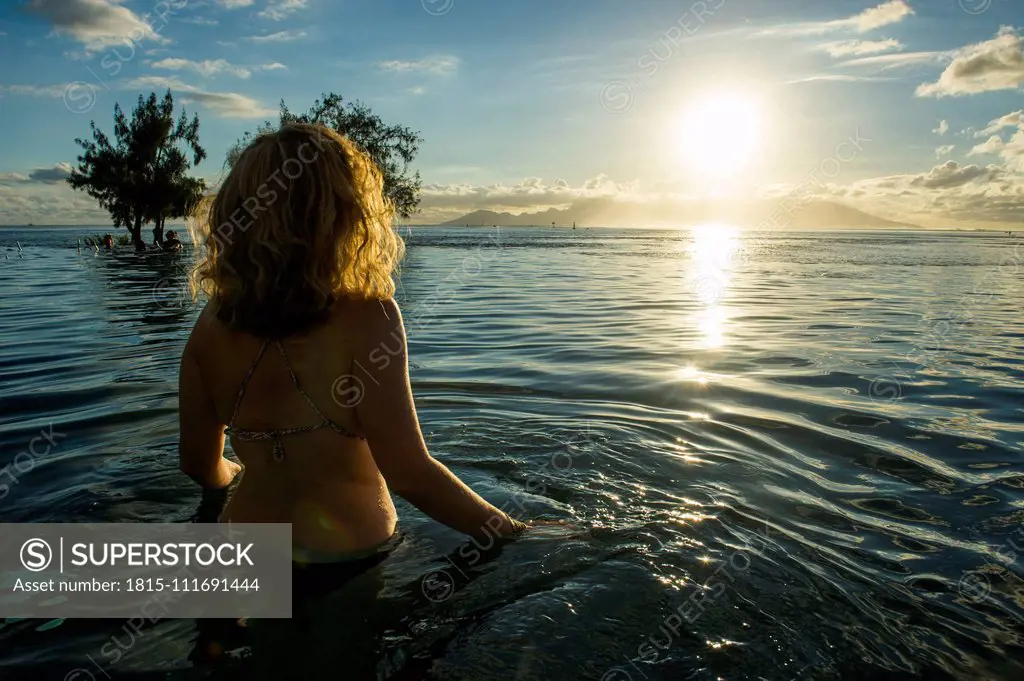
298,386
245,382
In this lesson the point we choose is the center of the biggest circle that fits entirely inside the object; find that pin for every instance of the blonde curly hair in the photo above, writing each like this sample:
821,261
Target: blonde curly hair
300,221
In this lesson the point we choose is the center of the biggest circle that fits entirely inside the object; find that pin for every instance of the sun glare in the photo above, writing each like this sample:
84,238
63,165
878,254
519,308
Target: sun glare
721,133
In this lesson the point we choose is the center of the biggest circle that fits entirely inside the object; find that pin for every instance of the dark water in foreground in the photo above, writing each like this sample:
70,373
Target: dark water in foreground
790,456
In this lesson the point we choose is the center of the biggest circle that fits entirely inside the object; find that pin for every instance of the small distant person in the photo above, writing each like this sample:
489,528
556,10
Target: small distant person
171,242
108,242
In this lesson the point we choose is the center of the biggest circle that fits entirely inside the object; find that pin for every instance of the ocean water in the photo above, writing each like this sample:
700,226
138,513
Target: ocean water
781,456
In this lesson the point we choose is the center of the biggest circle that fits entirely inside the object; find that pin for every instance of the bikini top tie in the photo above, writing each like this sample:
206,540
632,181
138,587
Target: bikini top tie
247,435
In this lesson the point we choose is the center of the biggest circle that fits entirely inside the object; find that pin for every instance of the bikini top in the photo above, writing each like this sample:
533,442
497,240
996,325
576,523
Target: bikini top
246,435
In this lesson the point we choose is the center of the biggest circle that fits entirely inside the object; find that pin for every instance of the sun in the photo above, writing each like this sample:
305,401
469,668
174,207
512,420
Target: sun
721,133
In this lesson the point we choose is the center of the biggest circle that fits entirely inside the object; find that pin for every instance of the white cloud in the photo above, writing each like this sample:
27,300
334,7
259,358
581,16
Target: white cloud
43,204
439,65
952,174
56,90
837,78
943,128
50,175
200,21
234,4
279,37
275,66
966,195
1010,120
847,48
224,104
996,64
530,194
206,68
53,175
94,23
229,104
277,10
1011,152
992,146
885,14
886,62
945,150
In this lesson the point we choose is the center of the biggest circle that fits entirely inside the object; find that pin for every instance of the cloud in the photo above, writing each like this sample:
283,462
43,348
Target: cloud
966,194
277,10
1011,152
279,37
52,175
224,104
439,65
57,173
945,150
43,203
229,104
234,4
275,66
56,90
530,194
837,78
206,68
846,48
1010,120
996,64
947,194
952,174
886,62
94,23
200,21
885,14
992,146
943,128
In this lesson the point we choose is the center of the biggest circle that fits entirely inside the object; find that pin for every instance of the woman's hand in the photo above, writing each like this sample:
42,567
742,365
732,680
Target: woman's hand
232,468
225,474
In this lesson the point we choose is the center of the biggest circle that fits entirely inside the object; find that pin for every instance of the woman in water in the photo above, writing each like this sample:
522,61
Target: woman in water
298,267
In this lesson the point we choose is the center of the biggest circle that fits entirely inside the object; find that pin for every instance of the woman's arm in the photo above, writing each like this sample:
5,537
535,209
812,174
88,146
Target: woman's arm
201,440
388,418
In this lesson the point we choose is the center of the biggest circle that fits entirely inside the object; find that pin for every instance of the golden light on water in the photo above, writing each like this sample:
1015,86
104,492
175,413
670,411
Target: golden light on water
692,373
712,326
712,253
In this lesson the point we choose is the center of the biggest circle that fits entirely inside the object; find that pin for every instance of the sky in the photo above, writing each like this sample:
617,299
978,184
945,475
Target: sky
911,110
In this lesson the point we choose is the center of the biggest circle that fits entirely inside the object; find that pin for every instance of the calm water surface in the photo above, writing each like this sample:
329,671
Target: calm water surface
783,456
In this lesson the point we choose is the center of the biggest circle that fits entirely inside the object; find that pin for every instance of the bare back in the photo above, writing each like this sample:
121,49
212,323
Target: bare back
325,482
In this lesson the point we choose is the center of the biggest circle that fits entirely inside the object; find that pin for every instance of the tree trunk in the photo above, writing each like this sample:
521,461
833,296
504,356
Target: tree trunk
136,231
158,231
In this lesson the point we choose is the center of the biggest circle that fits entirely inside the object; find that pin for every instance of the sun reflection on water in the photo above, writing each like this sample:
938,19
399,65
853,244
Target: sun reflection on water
712,255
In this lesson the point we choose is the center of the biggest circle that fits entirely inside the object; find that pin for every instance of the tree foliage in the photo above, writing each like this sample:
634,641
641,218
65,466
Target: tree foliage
392,147
141,176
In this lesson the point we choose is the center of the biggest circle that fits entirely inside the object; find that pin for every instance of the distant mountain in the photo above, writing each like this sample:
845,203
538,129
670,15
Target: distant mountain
605,213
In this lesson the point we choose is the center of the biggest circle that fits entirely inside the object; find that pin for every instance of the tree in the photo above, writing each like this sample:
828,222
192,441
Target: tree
143,176
392,147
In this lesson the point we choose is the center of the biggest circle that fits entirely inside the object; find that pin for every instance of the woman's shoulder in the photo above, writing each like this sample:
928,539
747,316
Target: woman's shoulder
366,318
